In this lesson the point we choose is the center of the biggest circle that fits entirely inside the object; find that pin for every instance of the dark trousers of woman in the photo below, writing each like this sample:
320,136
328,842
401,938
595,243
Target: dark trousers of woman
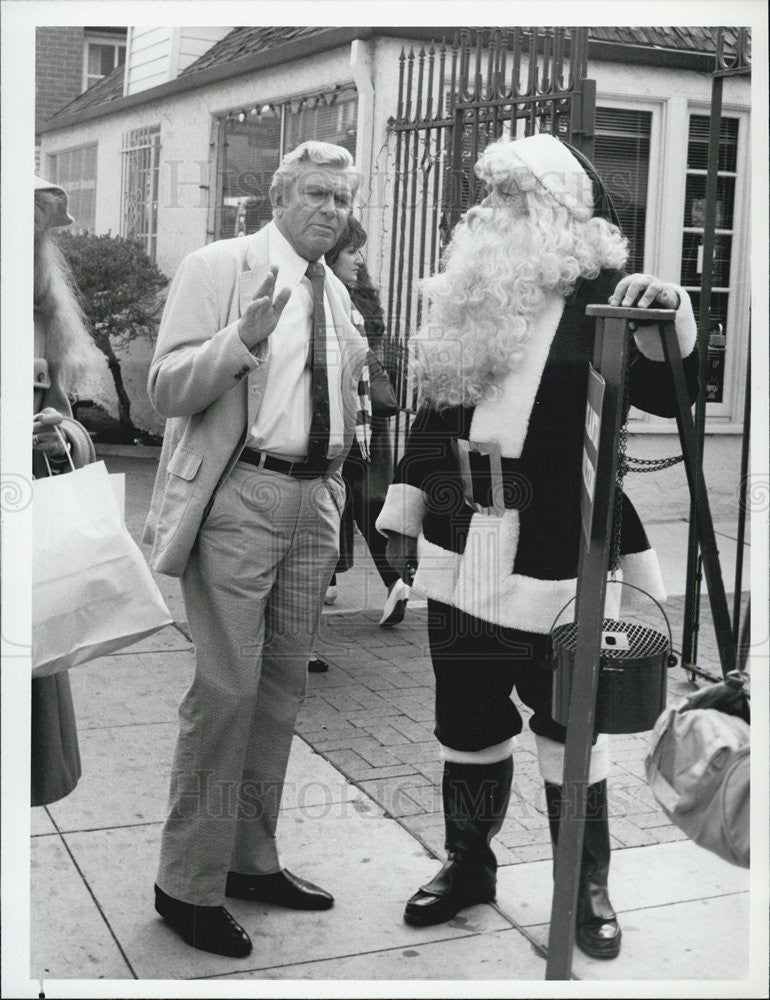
363,512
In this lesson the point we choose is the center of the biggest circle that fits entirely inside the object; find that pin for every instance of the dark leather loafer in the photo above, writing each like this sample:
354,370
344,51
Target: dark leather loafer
209,928
282,889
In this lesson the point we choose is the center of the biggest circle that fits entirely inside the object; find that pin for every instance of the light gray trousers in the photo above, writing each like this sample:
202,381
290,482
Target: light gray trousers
253,592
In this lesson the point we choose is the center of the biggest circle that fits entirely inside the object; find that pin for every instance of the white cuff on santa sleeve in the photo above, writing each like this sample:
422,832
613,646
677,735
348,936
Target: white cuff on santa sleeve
648,338
403,511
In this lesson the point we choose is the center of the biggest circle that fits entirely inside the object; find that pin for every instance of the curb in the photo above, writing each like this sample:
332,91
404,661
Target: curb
128,450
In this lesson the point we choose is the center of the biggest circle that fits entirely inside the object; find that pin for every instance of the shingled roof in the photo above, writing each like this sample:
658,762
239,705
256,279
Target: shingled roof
248,41
244,43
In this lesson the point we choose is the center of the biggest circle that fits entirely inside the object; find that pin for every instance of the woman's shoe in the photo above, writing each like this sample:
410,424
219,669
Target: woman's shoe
395,605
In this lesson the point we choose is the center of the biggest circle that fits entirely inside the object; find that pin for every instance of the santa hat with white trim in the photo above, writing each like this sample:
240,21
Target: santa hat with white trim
538,161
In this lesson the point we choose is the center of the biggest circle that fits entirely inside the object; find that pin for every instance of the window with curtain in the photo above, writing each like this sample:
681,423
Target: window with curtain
253,141
622,159
75,171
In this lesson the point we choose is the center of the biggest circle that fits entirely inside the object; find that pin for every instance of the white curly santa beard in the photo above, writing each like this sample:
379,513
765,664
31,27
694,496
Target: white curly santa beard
481,306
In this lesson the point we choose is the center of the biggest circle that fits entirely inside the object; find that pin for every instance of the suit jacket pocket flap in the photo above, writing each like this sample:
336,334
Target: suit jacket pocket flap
185,463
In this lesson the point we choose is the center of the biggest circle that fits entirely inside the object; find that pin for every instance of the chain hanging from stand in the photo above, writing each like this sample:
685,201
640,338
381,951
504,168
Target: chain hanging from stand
651,464
629,463
617,519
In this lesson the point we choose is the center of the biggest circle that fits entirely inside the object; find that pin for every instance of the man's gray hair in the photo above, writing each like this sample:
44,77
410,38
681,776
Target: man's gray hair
323,153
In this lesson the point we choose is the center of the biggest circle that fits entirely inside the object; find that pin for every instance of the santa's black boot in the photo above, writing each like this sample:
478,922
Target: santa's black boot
597,931
475,801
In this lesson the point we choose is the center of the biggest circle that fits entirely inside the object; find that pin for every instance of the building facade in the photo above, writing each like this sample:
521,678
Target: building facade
179,144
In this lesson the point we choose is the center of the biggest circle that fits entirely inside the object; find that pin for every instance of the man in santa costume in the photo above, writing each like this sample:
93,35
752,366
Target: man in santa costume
486,500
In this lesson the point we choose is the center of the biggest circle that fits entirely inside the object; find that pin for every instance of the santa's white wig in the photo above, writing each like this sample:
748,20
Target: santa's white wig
536,234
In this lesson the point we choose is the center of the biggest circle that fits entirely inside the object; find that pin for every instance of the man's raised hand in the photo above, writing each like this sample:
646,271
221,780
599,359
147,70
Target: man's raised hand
263,312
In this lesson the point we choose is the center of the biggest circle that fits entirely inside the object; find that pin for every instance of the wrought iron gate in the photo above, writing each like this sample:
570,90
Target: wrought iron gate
454,99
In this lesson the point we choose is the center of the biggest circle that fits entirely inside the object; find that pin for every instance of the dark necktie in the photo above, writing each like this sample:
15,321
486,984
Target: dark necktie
318,444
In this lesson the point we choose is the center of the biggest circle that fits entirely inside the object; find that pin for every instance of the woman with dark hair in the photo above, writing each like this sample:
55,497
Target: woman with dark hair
368,481
65,358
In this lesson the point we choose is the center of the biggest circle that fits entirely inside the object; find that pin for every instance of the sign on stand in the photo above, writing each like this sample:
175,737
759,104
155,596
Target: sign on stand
591,450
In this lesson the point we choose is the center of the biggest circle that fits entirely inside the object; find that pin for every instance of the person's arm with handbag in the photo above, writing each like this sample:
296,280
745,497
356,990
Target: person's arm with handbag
384,403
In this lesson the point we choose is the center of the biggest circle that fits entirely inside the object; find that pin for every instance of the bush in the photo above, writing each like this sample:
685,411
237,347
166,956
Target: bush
119,289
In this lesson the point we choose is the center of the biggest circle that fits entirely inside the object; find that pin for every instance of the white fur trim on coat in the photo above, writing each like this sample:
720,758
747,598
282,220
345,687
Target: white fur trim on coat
489,755
648,338
437,571
533,605
550,756
504,417
403,510
642,569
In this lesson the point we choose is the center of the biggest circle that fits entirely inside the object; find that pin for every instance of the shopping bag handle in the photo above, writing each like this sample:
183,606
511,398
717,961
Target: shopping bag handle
633,586
65,446
76,442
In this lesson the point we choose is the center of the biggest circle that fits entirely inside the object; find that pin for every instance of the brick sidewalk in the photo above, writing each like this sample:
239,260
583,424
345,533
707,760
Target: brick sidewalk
371,715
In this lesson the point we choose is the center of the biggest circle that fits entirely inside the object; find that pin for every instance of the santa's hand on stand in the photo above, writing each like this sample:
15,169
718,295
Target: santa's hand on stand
643,290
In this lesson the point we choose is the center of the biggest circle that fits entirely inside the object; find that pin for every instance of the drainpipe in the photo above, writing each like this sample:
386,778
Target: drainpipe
363,75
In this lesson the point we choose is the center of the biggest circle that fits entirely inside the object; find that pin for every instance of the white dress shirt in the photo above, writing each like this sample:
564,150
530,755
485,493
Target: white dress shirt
282,425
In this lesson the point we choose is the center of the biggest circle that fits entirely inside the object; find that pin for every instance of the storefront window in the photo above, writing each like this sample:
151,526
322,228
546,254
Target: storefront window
253,140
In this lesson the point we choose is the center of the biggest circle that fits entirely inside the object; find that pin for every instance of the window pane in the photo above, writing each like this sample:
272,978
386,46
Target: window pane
328,122
622,159
695,201
141,155
75,171
717,343
697,150
251,157
692,260
121,55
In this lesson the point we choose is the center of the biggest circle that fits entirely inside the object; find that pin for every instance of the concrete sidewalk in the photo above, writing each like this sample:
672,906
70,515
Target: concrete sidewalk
361,816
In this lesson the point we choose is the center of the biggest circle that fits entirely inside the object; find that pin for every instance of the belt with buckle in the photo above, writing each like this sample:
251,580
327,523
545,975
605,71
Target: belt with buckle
299,470
463,450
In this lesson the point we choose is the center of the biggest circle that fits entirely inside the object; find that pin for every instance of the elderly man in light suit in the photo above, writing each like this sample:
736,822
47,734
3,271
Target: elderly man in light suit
246,510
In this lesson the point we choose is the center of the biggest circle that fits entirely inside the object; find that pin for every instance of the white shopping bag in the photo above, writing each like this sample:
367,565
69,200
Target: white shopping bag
92,591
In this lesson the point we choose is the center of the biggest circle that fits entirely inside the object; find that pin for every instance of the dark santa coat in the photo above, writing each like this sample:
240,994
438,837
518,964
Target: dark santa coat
518,568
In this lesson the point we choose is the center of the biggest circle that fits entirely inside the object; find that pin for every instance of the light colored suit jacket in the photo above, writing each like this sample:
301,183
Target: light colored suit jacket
210,386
